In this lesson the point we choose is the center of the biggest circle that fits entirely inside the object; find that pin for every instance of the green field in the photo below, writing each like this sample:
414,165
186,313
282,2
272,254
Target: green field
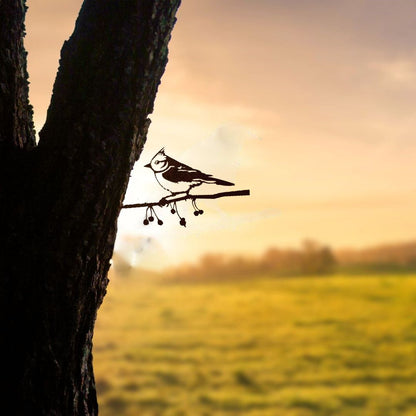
298,346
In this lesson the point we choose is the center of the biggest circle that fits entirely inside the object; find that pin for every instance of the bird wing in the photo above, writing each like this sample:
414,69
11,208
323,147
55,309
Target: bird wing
178,172
174,163
175,174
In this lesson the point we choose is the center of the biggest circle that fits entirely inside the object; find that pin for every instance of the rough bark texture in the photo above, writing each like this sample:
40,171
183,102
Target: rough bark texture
15,112
59,201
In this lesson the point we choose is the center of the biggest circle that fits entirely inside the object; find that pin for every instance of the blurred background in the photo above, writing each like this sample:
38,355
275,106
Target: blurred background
296,300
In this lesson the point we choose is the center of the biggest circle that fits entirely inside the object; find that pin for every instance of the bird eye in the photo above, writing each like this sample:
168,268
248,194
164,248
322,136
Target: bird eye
157,162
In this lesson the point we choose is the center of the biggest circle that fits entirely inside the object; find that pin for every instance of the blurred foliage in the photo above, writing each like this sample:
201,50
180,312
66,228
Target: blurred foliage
401,254
261,347
311,259
386,258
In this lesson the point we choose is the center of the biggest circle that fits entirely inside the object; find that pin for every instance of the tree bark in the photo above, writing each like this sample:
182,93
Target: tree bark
59,201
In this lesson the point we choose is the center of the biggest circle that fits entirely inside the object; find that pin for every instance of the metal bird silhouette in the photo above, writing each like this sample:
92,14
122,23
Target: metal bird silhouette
177,177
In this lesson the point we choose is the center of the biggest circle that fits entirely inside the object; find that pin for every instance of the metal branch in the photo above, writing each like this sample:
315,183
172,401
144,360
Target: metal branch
184,197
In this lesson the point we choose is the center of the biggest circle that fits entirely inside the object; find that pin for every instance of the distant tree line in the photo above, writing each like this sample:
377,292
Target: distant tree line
399,257
311,259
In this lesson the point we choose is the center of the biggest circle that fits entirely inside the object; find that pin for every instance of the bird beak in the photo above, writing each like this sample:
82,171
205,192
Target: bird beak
147,166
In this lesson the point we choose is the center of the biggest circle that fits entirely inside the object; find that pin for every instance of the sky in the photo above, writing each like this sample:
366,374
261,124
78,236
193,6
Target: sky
310,104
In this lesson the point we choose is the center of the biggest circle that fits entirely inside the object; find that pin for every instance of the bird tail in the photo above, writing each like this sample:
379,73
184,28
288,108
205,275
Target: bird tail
220,182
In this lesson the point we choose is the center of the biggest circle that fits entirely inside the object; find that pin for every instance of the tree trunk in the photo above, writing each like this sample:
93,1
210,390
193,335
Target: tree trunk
59,201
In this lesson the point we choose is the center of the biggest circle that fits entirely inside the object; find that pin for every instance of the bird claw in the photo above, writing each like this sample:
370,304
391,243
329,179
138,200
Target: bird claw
163,202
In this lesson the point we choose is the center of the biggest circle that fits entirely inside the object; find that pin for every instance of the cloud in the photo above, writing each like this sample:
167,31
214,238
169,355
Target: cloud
221,153
397,73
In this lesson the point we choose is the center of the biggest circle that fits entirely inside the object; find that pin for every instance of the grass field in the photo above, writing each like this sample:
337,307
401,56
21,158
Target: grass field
301,346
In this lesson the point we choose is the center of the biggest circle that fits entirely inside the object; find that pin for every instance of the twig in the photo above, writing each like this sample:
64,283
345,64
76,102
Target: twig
184,197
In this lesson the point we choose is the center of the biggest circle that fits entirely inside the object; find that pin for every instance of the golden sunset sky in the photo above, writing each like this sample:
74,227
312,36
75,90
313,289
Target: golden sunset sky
311,104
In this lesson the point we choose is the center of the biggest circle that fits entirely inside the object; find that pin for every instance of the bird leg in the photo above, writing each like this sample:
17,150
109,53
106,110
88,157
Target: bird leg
174,196
171,198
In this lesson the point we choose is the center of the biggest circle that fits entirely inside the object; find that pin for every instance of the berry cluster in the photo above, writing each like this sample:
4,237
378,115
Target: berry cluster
197,210
151,213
